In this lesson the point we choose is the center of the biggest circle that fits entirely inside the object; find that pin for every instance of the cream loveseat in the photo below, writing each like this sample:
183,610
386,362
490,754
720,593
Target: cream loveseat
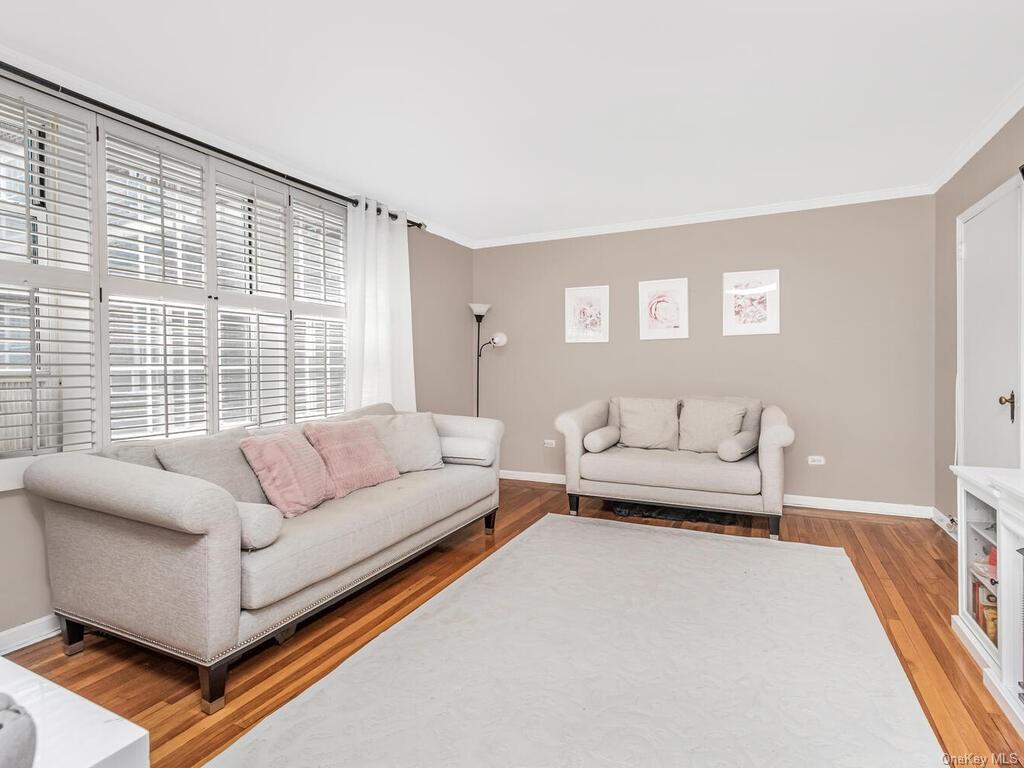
160,558
645,461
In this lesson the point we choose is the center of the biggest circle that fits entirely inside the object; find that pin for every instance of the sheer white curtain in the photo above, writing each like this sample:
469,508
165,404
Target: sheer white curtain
379,364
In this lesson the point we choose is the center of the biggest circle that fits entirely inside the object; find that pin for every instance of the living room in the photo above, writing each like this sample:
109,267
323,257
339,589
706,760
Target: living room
511,385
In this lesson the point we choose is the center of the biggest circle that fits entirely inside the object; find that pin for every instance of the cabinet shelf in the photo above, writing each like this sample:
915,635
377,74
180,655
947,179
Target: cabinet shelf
986,530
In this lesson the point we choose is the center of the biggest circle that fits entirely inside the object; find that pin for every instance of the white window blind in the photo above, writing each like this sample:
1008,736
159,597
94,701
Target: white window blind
46,371
252,370
318,254
45,216
319,367
250,242
157,369
154,215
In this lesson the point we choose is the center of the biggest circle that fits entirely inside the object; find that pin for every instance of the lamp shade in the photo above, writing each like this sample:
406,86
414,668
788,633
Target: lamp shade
479,309
499,339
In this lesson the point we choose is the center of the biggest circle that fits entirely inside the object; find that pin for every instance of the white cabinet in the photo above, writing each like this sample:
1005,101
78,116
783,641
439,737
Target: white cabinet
990,583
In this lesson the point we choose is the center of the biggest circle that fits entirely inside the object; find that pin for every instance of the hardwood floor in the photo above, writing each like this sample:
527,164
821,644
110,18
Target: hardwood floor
907,566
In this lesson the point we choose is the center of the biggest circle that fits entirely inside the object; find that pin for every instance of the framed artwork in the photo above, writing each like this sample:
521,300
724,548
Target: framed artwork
586,314
664,309
750,302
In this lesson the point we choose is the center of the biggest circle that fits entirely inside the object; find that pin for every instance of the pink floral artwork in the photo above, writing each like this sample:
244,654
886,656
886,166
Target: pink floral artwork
586,314
749,308
662,310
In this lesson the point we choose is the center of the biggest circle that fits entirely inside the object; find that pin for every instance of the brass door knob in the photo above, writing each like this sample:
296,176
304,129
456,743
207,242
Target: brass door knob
1010,401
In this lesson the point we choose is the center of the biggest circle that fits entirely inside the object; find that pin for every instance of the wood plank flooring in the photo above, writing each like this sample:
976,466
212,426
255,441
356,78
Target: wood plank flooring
907,566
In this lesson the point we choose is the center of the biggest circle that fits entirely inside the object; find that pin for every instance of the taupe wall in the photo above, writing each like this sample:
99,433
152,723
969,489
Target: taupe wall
25,593
443,328
996,162
443,332
852,367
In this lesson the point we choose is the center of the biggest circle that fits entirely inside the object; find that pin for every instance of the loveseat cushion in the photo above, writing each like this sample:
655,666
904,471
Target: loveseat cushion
342,532
703,424
648,422
684,470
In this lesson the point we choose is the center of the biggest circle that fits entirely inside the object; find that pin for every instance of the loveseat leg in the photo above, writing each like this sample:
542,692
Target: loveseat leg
489,522
574,504
212,681
774,522
73,635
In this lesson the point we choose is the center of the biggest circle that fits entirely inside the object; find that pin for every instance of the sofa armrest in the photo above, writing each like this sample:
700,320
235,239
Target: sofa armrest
147,495
776,435
150,554
469,426
574,426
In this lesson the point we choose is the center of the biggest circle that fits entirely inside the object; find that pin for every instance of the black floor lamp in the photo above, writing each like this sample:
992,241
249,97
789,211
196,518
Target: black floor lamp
497,340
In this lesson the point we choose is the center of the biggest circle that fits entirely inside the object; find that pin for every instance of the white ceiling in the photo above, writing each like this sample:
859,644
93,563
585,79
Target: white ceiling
528,120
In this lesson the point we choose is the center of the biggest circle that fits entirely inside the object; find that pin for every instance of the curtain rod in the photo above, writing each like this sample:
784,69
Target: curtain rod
113,111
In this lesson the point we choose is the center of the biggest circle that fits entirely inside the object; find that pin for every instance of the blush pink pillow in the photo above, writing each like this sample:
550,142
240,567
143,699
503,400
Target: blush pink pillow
290,471
354,455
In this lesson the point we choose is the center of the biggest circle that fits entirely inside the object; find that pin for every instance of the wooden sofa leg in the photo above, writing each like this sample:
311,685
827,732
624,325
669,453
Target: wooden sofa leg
212,681
489,522
73,635
774,523
574,504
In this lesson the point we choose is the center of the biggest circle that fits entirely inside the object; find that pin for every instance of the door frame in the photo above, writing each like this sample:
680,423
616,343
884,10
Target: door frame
1013,185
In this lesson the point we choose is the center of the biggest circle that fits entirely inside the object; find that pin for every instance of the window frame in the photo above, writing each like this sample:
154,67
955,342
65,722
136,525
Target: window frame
101,286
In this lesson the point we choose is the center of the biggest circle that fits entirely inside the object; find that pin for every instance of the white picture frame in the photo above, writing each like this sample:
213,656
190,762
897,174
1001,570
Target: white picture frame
751,302
664,308
587,314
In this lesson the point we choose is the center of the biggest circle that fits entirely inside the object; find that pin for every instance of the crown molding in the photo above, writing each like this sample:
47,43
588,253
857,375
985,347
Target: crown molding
997,119
792,206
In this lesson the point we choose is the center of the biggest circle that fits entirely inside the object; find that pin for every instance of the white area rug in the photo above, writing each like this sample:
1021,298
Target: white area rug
594,643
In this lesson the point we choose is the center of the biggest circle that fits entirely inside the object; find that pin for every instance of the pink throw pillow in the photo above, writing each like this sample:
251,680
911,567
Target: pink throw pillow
354,455
290,471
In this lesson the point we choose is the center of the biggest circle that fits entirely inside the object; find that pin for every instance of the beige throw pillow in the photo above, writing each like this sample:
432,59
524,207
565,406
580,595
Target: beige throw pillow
703,424
647,422
410,439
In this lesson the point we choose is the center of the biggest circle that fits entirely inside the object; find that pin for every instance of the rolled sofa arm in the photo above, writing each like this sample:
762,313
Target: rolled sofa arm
574,426
149,554
132,491
469,426
776,435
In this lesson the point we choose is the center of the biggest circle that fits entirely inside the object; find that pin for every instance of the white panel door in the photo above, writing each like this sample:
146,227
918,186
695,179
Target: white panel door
990,330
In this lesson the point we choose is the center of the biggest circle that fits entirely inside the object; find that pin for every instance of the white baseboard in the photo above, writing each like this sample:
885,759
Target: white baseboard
854,505
30,632
536,477
944,522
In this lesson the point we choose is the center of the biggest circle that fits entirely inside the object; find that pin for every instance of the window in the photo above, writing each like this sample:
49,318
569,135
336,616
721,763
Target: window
319,368
253,368
196,295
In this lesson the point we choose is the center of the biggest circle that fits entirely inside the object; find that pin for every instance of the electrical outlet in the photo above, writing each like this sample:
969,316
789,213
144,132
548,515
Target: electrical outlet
549,443
815,461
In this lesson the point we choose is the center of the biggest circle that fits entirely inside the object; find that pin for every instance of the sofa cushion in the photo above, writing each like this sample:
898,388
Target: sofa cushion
601,439
736,447
216,459
342,532
684,470
141,452
352,453
703,424
647,422
290,470
377,409
467,450
410,439
752,417
261,524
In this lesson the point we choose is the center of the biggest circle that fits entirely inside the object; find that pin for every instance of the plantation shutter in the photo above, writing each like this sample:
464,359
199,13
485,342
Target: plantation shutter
252,368
250,241
44,187
319,367
46,371
318,253
157,369
154,215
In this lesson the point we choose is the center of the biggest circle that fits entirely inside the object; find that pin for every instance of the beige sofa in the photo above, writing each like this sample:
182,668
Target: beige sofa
157,557
678,478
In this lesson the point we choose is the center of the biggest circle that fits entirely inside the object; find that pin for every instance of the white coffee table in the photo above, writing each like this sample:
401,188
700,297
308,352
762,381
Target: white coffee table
72,732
